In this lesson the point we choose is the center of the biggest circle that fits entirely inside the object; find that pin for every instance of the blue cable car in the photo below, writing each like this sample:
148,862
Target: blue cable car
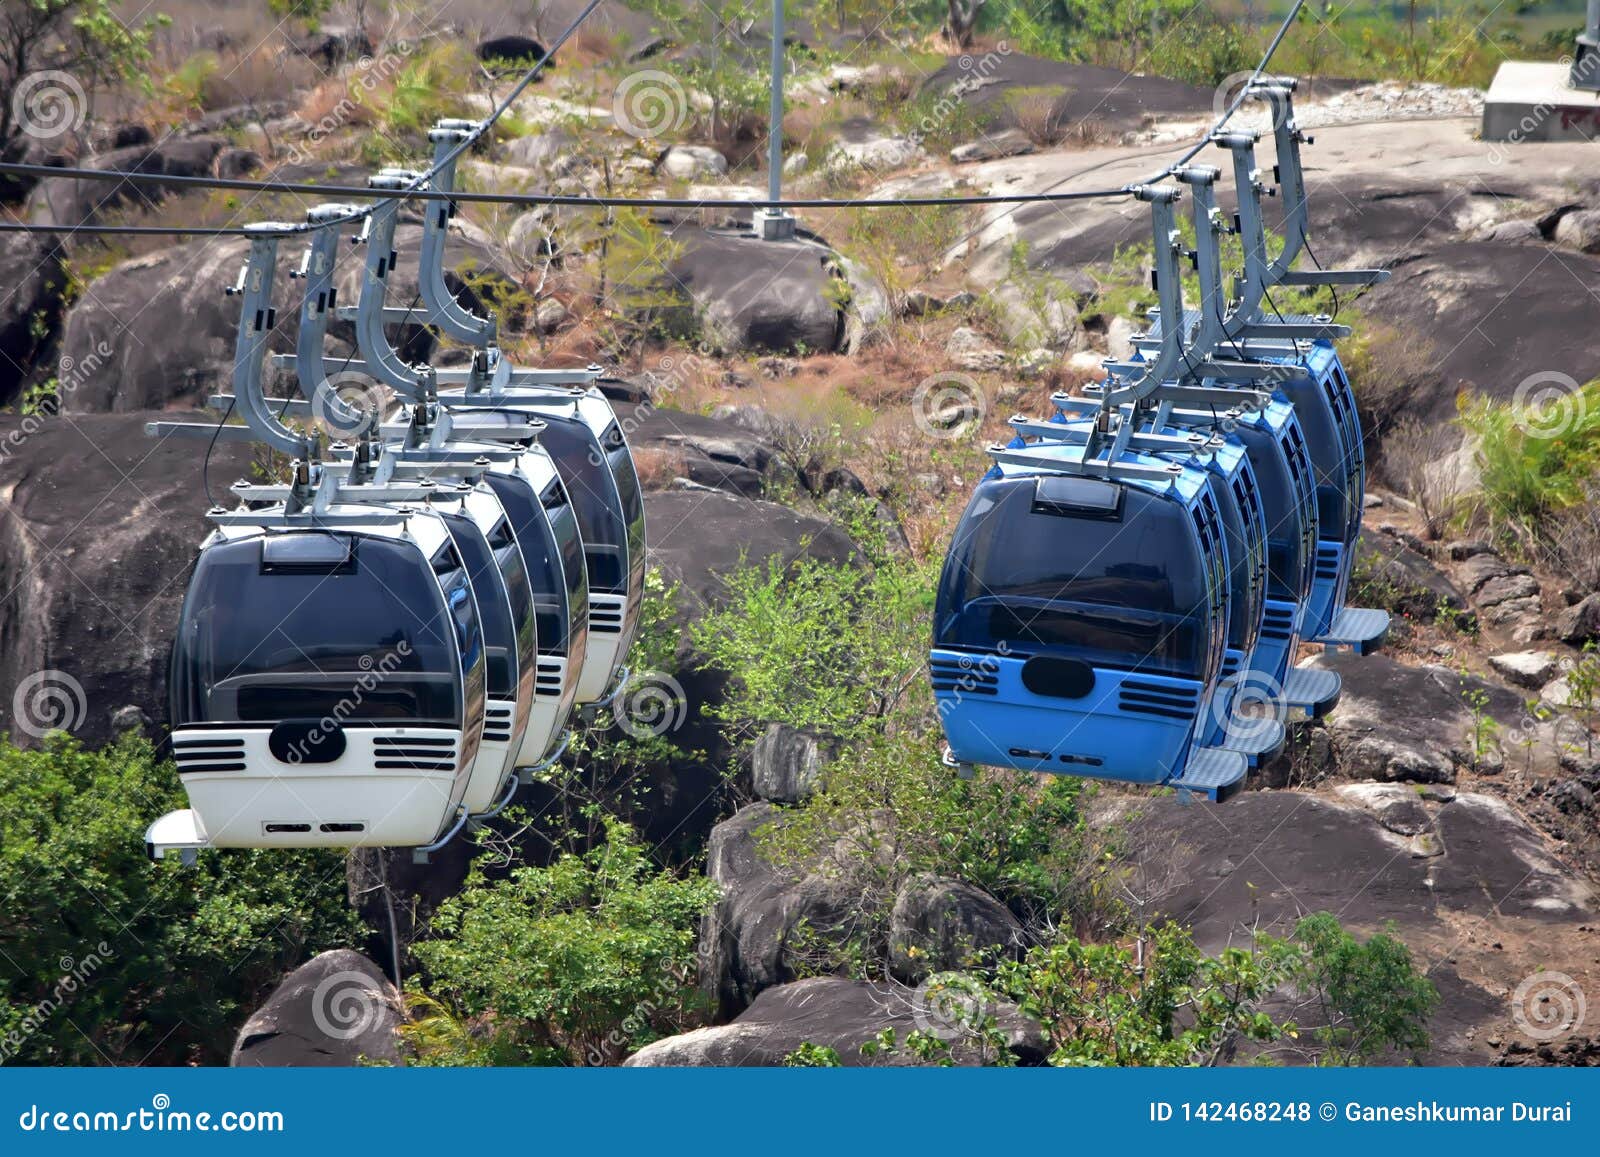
1234,489
1081,622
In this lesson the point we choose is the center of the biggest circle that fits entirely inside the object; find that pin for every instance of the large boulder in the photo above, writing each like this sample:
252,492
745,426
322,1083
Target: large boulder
841,1015
31,269
940,925
719,452
760,295
786,764
98,527
767,919
336,1010
1399,722
76,201
1491,904
1408,581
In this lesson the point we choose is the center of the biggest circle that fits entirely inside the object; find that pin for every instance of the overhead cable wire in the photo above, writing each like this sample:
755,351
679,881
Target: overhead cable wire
416,190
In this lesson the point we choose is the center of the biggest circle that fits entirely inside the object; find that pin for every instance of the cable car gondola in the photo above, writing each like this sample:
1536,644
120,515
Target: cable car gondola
1081,622
591,454
328,683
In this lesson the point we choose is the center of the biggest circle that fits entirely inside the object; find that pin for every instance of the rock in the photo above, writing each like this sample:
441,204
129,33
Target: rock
1478,569
871,151
1037,317
1578,624
98,526
518,50
529,237
777,296
776,369
333,45
1409,582
1526,668
1119,338
235,163
866,318
1463,550
34,280
1299,852
549,315
992,147
69,201
129,718
1512,232
336,1009
943,925
786,764
843,1015
971,350
751,940
1506,588
1035,363
552,151
1397,722
692,162
1579,230
1572,797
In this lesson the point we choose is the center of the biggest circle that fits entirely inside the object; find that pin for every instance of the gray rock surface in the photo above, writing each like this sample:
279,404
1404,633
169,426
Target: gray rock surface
336,1009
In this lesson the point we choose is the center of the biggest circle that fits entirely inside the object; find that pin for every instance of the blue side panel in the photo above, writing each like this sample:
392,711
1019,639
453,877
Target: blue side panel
1328,583
1280,636
1215,726
1129,726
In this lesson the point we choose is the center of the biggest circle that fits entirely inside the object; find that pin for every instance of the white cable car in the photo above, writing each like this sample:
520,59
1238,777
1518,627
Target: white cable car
328,683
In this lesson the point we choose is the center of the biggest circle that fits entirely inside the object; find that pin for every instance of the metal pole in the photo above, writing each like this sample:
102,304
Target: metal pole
777,224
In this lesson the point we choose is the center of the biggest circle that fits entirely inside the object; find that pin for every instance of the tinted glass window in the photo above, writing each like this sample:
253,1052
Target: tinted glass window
1126,590
1325,450
514,573
494,608
592,490
367,638
1279,503
629,493
543,555
1246,595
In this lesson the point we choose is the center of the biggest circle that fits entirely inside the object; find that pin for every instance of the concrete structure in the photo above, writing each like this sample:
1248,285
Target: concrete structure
1536,101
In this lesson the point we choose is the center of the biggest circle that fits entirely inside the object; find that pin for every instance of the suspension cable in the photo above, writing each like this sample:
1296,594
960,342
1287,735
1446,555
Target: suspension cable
415,191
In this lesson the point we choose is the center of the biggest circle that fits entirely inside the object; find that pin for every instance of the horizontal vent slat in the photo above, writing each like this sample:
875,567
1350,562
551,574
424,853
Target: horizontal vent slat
411,765
188,767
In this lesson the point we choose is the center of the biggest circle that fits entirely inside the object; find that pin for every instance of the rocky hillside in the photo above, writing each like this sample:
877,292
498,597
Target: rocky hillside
825,401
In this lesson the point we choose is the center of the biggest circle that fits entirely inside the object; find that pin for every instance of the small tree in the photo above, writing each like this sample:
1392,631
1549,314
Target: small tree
83,38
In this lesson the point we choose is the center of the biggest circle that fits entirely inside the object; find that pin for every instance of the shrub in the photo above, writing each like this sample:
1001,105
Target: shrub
580,962
115,960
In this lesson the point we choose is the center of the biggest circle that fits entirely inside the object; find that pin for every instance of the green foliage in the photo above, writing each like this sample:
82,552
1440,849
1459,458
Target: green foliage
1534,463
432,84
308,11
1160,1001
810,1056
899,246
86,38
115,960
579,962
1370,996
841,651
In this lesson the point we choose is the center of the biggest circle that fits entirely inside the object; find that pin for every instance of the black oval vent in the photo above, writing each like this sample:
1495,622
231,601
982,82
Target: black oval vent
297,741
1058,678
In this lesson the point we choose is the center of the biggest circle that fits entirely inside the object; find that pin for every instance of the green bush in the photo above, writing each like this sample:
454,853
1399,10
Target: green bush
1534,463
580,962
110,959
